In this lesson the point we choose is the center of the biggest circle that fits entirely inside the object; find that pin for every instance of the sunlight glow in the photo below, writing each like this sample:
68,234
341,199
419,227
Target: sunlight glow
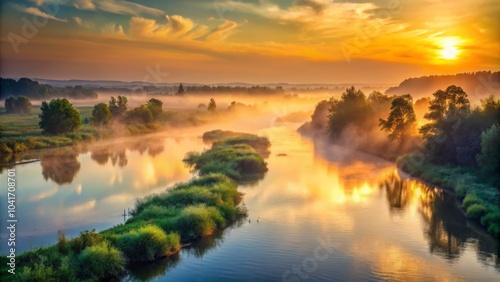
449,49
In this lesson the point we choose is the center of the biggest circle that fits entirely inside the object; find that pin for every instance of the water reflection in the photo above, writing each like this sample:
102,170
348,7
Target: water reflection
150,271
61,167
446,228
103,155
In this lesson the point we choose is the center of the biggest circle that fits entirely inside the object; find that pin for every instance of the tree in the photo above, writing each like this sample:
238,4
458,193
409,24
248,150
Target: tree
352,109
9,104
155,106
446,135
180,91
212,106
22,105
101,114
59,116
140,114
401,122
18,105
489,158
118,107
445,106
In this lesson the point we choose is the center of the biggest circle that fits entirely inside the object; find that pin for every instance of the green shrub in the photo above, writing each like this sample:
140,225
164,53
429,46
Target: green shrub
461,189
148,243
62,243
196,221
86,239
38,272
100,261
476,211
471,199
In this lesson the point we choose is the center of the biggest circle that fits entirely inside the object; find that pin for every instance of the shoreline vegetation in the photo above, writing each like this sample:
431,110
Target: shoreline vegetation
32,128
161,224
458,149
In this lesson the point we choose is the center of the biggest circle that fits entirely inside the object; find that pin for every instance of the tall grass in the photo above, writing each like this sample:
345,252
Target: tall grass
148,243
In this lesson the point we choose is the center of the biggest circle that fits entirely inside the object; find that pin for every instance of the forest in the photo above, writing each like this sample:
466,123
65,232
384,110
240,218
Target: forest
456,146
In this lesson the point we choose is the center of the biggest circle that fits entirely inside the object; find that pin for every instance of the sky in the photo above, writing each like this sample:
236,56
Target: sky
257,41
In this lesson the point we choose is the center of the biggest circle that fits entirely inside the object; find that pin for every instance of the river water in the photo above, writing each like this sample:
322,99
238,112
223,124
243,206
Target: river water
322,213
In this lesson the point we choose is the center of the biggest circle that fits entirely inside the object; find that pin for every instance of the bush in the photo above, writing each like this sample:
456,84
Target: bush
86,239
140,114
148,243
38,272
197,221
62,243
471,200
100,261
101,114
476,211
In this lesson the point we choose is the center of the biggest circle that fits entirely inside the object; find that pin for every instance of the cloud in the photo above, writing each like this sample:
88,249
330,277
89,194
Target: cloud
113,29
82,23
78,20
318,19
178,27
117,7
37,12
84,4
222,31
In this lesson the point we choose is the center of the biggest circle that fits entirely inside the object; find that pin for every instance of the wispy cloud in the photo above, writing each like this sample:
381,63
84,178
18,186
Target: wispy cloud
37,12
176,27
117,7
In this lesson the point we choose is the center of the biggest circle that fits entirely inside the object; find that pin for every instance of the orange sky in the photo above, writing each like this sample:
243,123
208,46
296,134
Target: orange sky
301,41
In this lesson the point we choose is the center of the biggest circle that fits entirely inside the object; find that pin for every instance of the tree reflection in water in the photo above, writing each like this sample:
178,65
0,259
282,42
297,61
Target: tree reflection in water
446,227
60,166
118,154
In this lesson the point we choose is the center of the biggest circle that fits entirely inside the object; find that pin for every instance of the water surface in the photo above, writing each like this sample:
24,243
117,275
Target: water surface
321,213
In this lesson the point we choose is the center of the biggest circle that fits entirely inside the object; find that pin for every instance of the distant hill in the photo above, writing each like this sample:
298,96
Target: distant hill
478,85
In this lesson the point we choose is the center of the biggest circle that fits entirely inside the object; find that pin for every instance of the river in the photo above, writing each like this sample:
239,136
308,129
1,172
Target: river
322,213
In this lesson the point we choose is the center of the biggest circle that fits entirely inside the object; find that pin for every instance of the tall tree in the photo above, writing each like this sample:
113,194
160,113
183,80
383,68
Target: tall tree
401,122
181,90
118,107
445,135
212,106
445,105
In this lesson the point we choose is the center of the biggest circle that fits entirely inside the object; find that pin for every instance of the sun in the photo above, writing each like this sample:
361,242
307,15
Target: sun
449,50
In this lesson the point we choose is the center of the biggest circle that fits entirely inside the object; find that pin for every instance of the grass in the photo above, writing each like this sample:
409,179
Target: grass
160,223
480,200
239,161
220,137
20,133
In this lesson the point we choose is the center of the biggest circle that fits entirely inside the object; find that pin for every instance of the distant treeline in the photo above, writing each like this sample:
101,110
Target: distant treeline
34,90
195,89
480,84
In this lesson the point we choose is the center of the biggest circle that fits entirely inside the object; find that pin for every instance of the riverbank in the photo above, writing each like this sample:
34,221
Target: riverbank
160,226
479,201
21,133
